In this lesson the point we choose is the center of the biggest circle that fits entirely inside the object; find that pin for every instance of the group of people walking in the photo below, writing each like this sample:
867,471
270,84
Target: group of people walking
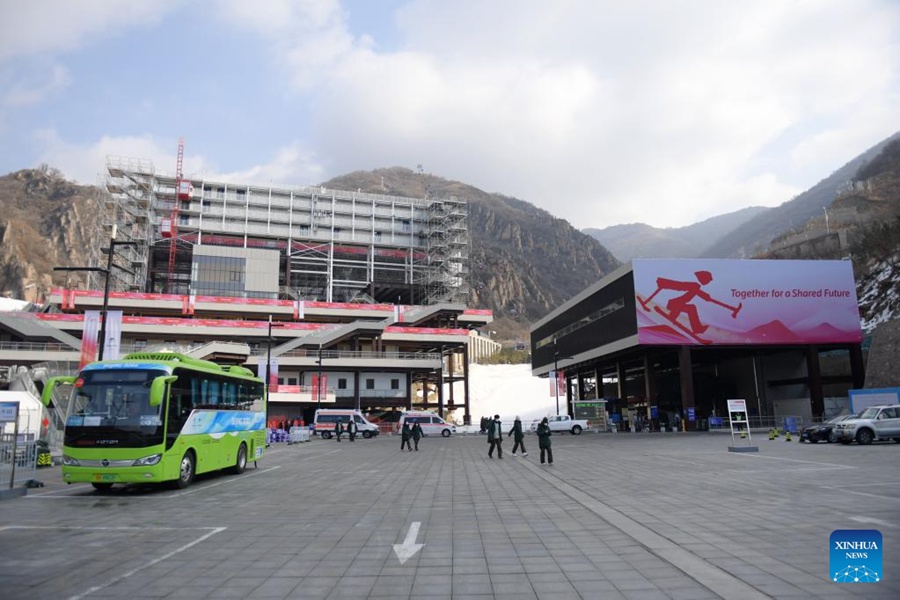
351,429
494,428
408,433
411,434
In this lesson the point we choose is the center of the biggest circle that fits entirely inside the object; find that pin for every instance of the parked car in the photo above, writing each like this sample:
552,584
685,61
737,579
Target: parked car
564,423
823,432
874,423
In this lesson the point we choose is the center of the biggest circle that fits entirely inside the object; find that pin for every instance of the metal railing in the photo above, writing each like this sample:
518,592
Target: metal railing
336,354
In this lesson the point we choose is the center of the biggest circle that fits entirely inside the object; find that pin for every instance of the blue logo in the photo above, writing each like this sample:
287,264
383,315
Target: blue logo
855,556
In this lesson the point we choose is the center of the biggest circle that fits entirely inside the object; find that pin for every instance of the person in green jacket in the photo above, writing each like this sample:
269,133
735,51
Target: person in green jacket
417,433
519,436
543,433
405,435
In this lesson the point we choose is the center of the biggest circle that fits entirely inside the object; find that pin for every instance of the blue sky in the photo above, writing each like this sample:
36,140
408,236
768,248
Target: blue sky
599,111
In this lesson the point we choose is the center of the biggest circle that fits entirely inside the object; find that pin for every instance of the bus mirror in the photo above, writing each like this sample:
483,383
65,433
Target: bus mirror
47,394
158,388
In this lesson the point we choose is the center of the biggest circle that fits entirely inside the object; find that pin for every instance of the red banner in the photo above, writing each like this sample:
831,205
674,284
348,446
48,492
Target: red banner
89,336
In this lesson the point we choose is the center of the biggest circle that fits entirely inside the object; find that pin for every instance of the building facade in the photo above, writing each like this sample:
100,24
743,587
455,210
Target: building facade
673,339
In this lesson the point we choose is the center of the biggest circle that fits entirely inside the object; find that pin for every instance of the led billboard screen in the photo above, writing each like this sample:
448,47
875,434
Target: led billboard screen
737,302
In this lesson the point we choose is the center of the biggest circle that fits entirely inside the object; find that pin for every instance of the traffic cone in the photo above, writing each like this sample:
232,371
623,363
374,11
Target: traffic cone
777,433
787,436
743,434
771,434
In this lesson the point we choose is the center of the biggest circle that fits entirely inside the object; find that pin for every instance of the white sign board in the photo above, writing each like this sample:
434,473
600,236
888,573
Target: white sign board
738,419
9,412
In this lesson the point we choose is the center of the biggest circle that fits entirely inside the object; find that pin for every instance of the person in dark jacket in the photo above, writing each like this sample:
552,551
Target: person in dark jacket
416,434
519,436
338,429
495,437
351,428
405,435
543,433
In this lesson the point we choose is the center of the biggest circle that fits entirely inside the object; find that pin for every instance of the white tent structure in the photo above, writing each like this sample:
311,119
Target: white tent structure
31,413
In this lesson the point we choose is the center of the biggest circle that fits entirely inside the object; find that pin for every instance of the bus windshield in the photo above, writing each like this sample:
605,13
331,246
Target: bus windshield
112,407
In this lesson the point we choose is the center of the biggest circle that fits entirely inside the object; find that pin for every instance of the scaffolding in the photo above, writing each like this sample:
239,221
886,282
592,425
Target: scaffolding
335,246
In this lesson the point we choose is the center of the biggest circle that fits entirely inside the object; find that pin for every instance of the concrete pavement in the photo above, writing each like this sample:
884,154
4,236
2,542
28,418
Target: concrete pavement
642,516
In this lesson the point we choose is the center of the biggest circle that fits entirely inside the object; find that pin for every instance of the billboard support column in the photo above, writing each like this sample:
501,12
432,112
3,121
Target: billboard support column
650,387
857,367
620,380
686,373
814,372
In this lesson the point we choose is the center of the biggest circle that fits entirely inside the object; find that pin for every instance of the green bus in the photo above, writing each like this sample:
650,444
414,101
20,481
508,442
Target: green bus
159,417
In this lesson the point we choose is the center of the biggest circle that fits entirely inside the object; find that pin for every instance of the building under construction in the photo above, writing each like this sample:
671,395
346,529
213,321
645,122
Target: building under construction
184,235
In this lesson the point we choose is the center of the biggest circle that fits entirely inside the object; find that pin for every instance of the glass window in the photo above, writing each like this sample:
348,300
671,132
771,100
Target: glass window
342,384
370,384
395,384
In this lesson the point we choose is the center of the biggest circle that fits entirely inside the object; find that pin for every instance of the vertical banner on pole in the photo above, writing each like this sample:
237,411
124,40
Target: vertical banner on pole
89,337
261,369
273,376
113,343
298,310
557,383
315,387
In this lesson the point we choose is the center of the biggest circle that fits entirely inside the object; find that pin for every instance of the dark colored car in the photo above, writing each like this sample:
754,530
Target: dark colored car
823,432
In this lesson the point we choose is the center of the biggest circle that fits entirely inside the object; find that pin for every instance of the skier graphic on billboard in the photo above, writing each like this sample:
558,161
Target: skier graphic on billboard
684,304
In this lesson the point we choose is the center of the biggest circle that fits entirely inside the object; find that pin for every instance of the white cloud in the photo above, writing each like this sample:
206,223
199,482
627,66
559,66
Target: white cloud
599,111
36,86
604,112
85,163
57,26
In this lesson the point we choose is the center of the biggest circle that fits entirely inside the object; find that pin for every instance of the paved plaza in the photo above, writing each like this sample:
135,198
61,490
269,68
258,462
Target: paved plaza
642,516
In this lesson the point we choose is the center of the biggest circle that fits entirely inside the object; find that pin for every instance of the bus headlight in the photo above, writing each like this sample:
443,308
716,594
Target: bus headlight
70,462
148,461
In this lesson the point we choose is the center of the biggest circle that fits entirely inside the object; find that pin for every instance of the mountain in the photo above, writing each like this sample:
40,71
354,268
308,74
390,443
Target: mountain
524,261
758,233
639,240
46,222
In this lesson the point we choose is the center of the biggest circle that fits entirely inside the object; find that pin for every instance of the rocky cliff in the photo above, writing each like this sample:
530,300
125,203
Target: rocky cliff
45,222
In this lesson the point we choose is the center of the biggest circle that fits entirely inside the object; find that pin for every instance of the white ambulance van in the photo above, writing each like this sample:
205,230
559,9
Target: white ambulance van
430,422
326,418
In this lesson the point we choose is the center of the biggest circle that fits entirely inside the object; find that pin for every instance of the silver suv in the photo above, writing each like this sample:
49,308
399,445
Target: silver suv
874,423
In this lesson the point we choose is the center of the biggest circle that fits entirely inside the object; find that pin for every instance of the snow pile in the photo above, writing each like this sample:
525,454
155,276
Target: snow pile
10,304
507,390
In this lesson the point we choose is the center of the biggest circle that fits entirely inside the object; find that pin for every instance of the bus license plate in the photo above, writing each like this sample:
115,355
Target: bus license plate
104,477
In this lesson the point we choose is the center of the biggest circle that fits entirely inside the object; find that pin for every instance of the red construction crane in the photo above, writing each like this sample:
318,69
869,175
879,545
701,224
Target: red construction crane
169,226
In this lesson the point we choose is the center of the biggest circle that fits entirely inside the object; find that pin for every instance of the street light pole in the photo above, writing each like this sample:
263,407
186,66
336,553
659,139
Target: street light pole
105,310
268,367
556,376
101,343
319,383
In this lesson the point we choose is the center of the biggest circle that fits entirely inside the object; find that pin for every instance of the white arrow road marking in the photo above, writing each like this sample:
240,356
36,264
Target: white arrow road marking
409,547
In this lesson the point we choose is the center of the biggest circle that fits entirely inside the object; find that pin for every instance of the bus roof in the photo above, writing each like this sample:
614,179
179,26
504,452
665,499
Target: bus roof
146,360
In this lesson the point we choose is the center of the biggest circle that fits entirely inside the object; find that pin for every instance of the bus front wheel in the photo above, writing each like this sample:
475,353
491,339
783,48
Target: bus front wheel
241,464
186,472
